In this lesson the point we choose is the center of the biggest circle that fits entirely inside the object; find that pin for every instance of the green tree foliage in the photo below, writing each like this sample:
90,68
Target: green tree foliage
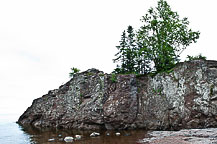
157,44
130,50
164,36
73,72
127,52
120,58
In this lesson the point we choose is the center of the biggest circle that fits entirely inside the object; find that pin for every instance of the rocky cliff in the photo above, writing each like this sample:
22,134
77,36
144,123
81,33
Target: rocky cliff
184,98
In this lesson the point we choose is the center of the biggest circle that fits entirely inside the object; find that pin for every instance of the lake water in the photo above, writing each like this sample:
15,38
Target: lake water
12,133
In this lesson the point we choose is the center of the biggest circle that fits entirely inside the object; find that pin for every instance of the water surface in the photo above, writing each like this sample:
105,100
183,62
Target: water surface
12,133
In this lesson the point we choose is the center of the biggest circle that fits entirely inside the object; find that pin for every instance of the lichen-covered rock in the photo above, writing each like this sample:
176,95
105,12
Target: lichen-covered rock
184,98
77,104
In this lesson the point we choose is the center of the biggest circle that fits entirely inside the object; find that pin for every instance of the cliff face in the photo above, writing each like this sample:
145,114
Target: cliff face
183,98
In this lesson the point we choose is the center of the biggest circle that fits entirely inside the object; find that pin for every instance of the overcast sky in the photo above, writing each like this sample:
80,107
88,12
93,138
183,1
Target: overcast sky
40,40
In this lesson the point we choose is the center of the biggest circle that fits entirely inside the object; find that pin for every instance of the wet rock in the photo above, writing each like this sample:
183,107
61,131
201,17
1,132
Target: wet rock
68,139
117,134
127,134
184,98
94,134
108,134
77,137
51,140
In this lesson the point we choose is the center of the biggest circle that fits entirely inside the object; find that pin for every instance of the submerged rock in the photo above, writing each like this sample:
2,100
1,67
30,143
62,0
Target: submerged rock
68,139
184,98
77,137
108,134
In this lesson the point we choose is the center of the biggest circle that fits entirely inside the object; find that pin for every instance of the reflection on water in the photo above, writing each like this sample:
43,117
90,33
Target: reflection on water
54,136
12,133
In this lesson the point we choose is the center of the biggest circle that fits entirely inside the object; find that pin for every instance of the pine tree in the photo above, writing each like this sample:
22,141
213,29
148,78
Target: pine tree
120,56
127,53
131,51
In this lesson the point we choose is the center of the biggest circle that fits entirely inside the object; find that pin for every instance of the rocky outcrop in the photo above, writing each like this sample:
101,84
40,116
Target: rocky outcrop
184,98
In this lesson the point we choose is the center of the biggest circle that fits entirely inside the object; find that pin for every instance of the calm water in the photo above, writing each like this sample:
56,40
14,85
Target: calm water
12,133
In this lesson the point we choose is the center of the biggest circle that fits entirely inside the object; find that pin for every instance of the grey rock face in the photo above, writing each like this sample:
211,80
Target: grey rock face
183,98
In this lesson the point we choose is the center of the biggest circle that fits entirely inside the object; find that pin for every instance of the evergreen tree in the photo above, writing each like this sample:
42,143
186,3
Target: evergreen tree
120,56
131,51
127,52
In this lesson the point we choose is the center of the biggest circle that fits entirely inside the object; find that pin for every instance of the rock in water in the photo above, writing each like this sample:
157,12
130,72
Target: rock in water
51,140
108,134
68,139
184,98
94,134
77,137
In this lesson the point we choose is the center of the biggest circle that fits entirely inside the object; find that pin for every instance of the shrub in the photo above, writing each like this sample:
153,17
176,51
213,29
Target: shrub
73,72
198,57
